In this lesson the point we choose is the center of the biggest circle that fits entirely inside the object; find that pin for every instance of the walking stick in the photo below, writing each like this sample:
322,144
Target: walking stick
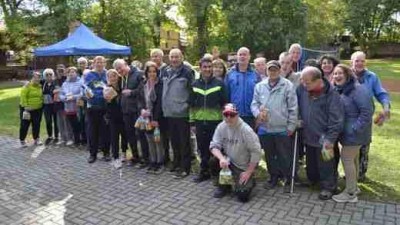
294,162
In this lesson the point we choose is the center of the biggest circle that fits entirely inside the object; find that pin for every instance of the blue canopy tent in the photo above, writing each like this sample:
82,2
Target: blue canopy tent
82,42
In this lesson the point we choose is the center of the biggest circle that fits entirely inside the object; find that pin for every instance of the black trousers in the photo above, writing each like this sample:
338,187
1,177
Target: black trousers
179,128
319,170
278,154
117,131
166,138
74,122
144,145
82,123
97,129
36,118
50,117
204,134
130,131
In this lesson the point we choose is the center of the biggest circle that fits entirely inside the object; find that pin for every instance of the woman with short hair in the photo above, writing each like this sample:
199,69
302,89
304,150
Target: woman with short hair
219,69
357,127
50,115
327,63
31,104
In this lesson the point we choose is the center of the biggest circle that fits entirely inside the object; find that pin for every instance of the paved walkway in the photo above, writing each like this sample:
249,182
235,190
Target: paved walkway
59,187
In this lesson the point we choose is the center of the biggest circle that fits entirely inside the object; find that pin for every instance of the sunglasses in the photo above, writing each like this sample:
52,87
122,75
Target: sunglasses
230,114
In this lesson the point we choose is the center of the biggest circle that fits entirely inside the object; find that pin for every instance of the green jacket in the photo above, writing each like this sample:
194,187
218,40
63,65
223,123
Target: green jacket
32,96
207,100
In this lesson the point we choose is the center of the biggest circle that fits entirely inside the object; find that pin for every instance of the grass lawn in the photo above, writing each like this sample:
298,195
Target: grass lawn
383,181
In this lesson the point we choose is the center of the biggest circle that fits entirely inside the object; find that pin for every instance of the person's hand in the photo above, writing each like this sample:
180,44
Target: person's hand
328,146
144,113
154,124
193,129
244,177
386,113
126,92
290,133
299,123
223,163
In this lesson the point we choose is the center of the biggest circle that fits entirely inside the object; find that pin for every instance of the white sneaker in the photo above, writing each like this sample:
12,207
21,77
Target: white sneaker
123,157
345,197
60,142
117,163
37,142
23,144
69,143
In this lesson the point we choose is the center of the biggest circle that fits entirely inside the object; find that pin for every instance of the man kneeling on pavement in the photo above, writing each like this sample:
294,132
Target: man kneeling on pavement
241,153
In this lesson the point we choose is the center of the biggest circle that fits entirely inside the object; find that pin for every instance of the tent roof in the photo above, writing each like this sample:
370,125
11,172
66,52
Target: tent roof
82,42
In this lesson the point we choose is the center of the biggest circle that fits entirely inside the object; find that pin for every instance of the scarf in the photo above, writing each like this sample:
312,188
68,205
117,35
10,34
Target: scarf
150,94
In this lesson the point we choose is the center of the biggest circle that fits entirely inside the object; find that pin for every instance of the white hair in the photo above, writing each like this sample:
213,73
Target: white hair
48,71
357,53
175,50
260,60
157,51
118,62
208,56
82,60
294,46
243,49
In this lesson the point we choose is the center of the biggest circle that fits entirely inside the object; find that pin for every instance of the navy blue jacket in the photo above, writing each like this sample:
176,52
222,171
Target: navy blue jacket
358,110
322,115
240,89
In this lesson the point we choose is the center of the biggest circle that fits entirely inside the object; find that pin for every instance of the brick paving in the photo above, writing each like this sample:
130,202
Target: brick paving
60,187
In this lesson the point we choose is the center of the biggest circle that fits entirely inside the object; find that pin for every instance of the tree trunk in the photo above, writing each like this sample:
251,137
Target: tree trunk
202,34
3,58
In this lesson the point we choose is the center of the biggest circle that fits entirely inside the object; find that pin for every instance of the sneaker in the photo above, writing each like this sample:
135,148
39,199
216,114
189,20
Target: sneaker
37,142
158,170
91,159
345,197
131,162
201,177
174,169
48,140
221,192
142,165
150,169
325,195
286,187
23,144
60,142
69,143
271,184
106,158
181,174
117,164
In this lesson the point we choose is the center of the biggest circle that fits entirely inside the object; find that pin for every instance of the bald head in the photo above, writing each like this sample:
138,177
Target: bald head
175,57
311,78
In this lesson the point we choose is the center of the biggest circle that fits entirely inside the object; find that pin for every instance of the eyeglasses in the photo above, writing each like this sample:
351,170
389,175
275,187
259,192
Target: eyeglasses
230,114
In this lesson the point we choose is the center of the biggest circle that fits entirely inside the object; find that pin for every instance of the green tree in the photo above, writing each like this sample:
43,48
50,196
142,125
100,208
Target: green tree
324,21
367,19
265,26
127,22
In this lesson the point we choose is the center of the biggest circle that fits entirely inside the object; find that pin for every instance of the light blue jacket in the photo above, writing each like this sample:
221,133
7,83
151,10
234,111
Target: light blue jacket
372,83
281,103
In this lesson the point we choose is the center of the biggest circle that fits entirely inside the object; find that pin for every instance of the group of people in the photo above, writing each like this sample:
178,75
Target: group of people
318,109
